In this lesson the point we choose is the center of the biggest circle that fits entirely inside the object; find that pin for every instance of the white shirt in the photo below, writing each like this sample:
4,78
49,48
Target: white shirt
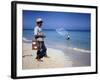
37,31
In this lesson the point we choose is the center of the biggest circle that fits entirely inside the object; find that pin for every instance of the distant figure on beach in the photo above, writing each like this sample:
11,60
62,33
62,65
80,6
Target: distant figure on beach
68,37
39,36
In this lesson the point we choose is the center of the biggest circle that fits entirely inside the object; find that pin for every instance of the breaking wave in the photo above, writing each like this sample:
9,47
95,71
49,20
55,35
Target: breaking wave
26,40
62,31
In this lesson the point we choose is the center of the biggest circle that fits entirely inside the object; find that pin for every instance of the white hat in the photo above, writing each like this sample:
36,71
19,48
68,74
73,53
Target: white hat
39,20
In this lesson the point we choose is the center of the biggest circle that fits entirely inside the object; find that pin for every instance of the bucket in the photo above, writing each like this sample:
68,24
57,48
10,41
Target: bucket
34,45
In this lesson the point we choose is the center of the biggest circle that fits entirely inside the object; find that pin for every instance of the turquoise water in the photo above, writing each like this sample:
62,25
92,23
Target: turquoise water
78,39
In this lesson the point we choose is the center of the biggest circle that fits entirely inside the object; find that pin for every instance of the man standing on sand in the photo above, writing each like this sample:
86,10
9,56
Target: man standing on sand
39,36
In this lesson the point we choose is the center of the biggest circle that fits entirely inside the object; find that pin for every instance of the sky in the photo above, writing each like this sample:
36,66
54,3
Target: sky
54,20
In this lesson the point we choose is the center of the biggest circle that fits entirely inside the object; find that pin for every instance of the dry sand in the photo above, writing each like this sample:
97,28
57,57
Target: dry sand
56,58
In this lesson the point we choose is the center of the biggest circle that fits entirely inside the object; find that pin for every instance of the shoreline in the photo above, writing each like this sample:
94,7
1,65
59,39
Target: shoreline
58,58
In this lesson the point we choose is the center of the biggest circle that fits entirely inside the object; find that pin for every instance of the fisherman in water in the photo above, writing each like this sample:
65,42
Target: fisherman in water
68,37
39,36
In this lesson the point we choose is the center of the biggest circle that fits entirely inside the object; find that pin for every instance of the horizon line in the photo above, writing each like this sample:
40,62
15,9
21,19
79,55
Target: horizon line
65,29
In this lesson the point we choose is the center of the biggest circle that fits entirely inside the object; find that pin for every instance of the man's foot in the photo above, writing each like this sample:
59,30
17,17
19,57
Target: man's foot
36,58
39,60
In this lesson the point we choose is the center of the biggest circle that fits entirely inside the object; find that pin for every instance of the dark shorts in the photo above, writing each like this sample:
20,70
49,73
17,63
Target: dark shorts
41,49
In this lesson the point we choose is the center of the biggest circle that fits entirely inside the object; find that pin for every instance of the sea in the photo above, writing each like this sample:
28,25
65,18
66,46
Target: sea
79,40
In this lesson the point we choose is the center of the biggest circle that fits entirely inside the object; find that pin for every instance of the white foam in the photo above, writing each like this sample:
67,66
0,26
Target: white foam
26,40
81,50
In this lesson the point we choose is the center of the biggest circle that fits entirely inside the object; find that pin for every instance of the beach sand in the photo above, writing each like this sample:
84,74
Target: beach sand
57,58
